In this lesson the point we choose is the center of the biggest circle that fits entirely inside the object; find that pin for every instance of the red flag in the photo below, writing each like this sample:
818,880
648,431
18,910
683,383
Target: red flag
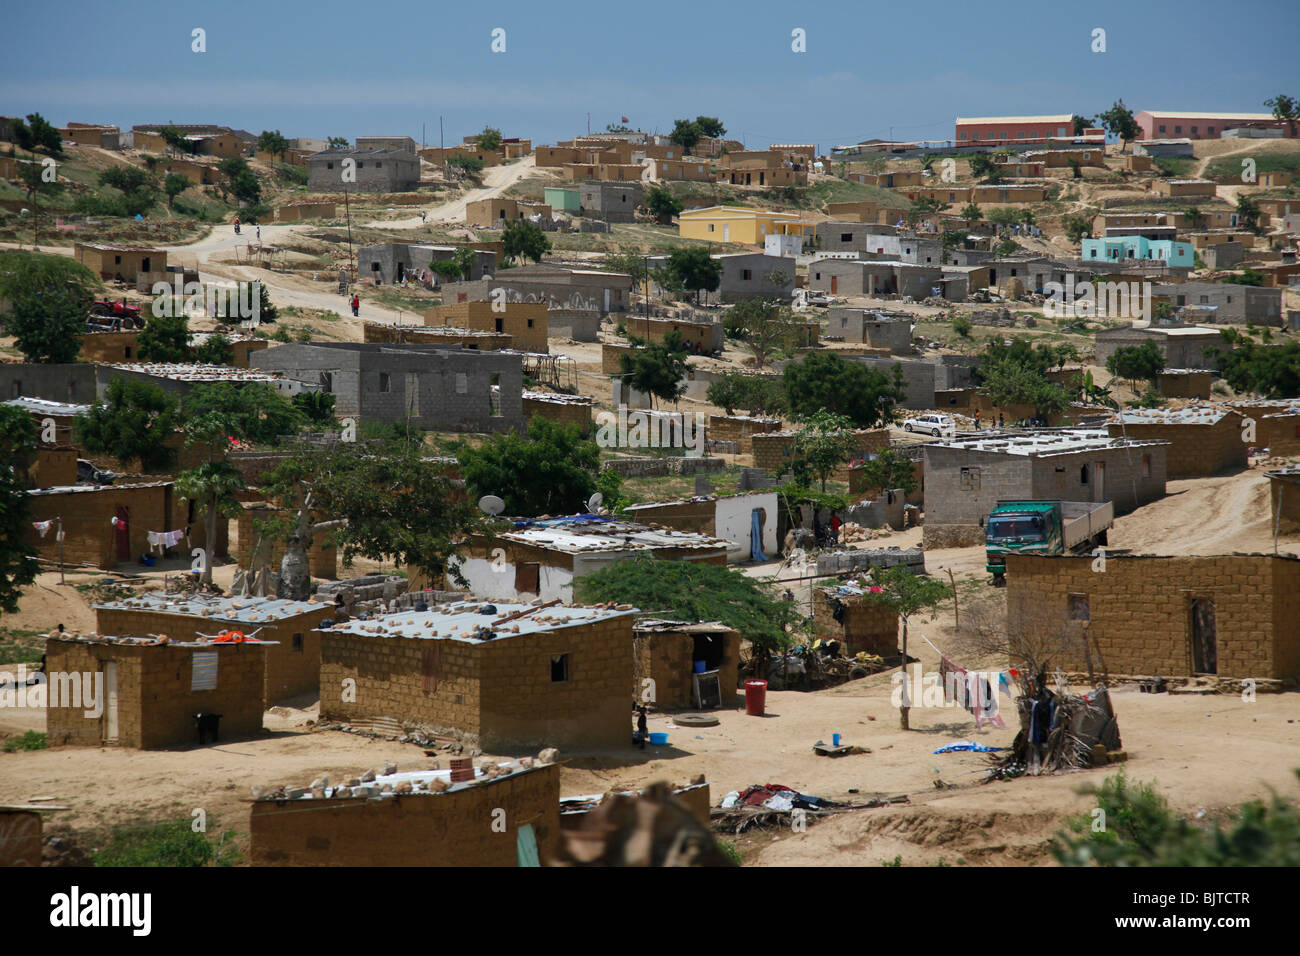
624,119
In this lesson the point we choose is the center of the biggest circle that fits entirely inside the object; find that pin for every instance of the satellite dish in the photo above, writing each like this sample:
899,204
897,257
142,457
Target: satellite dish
491,505
594,502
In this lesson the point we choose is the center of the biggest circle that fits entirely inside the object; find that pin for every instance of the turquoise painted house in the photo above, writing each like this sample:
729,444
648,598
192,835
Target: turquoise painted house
561,200
1120,248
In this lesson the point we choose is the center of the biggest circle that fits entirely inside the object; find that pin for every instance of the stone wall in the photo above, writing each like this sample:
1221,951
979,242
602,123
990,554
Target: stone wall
426,829
740,429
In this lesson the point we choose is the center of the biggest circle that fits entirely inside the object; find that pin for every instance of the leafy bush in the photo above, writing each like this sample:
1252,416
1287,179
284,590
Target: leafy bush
166,844
32,740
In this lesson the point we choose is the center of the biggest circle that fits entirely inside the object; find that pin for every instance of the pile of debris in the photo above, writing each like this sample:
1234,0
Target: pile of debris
774,805
1060,732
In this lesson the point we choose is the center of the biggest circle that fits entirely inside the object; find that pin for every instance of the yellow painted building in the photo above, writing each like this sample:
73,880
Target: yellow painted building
739,224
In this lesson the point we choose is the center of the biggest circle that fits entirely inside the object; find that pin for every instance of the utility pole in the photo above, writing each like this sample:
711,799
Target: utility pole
588,124
59,531
441,147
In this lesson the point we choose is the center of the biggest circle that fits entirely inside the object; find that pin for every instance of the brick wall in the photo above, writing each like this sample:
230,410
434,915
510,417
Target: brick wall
698,515
740,428
566,413
774,452
525,322
1192,385
500,691
1195,451
1140,611
88,535
1280,432
1288,518
699,334
668,657
322,557
866,627
610,354
156,706
109,347
445,829
288,672
54,467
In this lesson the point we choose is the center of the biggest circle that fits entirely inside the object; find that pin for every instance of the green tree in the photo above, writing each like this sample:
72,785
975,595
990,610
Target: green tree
888,469
657,368
134,424
253,412
1076,226
631,263
1010,384
1271,371
1119,122
525,240
759,394
338,142
1248,213
694,269
164,338
270,141
984,168
971,214
1142,830
470,167
923,208
908,594
38,133
47,298
139,189
448,270
663,205
316,408
1080,123
710,126
1247,276
174,185
1136,362
686,133
822,443
216,349
1285,109
18,563
695,591
176,140
962,326
551,471
240,181
489,140
213,487
768,329
825,381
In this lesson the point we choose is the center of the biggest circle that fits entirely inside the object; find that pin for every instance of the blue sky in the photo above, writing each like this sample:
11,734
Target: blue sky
386,68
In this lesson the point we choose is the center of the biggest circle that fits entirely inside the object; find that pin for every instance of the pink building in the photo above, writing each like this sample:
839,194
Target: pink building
1013,130
1156,124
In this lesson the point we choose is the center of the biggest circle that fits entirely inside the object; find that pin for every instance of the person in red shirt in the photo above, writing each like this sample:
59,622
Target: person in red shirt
356,305
835,529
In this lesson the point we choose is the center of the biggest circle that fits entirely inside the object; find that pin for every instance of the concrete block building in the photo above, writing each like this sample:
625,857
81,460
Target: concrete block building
375,170
443,824
396,261
665,654
432,388
879,328
612,202
1203,440
729,517
1224,303
858,277
545,557
966,478
559,288
525,322
1190,346
292,654
511,676
1169,616
152,691
118,261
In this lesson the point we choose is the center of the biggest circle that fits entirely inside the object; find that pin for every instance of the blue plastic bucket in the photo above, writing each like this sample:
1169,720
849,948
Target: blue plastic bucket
835,740
701,666
659,740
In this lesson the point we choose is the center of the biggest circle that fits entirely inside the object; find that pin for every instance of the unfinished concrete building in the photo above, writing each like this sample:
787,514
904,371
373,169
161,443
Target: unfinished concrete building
612,202
1202,440
878,328
432,388
966,478
363,170
397,261
575,289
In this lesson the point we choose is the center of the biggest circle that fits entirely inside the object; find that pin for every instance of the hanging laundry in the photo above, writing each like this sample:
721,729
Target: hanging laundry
1004,682
173,538
42,526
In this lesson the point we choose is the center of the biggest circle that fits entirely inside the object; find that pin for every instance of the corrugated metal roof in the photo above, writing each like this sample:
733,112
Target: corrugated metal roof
464,621
241,610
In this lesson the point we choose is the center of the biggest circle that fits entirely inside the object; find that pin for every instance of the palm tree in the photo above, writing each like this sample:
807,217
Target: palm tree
212,486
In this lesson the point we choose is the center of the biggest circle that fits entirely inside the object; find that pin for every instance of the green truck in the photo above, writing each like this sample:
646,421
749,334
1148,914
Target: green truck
1043,527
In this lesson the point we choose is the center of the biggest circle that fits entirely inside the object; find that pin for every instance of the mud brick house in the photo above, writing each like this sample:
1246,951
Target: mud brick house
1180,346
1279,431
89,514
557,407
1185,382
124,262
706,337
774,451
966,477
729,517
292,656
1203,440
108,347
667,655
60,414
840,613
1232,615
508,675
741,429
431,387
542,558
241,346
1284,500
525,322
879,328
436,822
374,170
497,212
151,691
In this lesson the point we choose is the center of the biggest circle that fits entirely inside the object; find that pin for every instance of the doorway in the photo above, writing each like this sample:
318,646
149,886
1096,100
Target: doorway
110,701
122,532
1205,640
1099,482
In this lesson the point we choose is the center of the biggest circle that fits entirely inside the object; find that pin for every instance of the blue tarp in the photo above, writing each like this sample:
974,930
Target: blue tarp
967,745
756,537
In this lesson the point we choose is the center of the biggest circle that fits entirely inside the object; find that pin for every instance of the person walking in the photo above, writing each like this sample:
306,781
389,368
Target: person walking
356,305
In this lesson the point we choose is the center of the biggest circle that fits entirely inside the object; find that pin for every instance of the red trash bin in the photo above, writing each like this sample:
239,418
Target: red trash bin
755,697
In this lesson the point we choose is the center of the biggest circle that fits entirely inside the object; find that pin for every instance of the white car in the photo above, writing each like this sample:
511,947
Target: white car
940,426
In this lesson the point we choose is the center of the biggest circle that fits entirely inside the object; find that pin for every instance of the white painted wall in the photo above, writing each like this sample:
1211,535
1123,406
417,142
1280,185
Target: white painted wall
488,583
733,521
